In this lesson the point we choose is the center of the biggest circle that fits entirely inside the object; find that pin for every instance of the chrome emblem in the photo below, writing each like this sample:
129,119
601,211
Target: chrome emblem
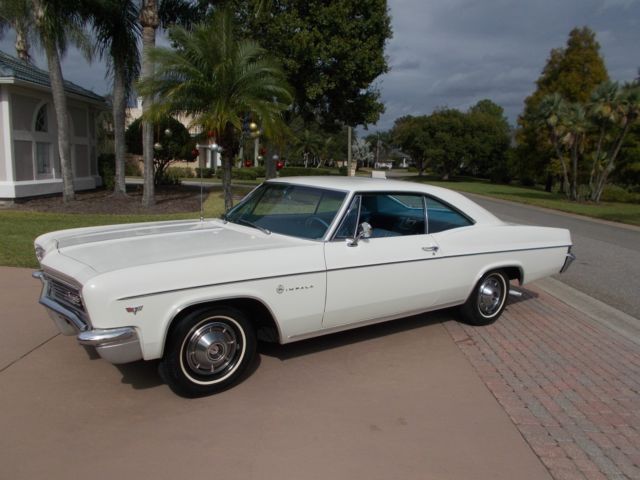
280,289
134,310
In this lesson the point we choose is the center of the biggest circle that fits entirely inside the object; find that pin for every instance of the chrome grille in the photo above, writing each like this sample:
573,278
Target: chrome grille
65,294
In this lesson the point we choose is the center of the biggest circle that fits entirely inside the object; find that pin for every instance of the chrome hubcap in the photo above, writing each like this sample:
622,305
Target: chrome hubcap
490,295
211,348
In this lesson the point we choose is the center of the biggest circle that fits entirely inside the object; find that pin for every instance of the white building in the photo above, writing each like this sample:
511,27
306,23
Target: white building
29,159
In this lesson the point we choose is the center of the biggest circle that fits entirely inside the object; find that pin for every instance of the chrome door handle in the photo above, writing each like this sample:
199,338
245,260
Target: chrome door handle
433,248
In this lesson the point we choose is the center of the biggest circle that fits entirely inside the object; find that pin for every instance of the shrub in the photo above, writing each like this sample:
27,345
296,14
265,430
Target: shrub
616,193
181,172
240,173
260,171
343,171
107,169
301,171
206,172
171,176
132,168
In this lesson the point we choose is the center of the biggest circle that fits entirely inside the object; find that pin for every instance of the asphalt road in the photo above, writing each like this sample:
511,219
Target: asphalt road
608,256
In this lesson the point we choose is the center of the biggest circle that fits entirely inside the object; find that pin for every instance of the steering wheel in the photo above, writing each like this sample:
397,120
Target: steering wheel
315,218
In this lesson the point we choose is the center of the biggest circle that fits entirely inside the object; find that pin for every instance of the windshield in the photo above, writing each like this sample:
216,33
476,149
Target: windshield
295,210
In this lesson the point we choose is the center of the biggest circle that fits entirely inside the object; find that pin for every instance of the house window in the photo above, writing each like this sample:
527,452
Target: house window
41,120
44,166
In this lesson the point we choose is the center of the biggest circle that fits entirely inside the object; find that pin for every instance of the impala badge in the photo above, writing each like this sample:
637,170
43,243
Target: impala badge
134,310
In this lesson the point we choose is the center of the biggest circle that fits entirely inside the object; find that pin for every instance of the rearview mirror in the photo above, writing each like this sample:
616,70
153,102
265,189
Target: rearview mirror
364,231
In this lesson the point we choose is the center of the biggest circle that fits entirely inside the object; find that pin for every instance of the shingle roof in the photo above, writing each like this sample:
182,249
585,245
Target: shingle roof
12,67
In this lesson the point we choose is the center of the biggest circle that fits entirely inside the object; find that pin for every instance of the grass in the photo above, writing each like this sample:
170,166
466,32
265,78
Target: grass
18,229
617,212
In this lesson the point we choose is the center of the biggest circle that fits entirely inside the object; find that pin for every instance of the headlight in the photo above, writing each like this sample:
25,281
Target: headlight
40,252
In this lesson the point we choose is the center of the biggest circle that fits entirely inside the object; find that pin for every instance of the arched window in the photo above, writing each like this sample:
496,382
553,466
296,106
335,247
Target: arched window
41,119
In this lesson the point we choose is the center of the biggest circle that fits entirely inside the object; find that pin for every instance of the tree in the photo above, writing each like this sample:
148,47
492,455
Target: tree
217,79
149,21
18,15
117,31
332,52
490,140
55,24
572,72
614,112
409,134
172,138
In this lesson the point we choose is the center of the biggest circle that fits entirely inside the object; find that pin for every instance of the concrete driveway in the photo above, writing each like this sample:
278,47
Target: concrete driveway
399,400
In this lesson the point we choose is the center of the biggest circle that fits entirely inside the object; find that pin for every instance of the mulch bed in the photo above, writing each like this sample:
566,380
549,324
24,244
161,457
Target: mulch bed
174,199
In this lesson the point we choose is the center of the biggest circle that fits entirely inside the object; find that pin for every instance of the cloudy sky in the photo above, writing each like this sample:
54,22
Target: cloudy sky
455,52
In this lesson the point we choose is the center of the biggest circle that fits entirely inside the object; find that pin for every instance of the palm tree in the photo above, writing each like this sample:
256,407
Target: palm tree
217,79
550,114
308,143
17,15
55,24
117,31
619,108
149,20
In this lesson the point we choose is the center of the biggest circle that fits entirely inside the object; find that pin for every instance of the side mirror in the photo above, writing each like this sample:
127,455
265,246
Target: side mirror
364,231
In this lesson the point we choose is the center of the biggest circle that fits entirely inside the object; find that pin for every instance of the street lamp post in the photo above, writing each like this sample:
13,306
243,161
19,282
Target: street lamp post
215,149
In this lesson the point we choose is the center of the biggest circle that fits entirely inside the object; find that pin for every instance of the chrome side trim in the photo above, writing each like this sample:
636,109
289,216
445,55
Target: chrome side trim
284,275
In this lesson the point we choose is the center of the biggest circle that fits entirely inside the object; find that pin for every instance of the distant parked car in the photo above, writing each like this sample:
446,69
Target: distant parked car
297,258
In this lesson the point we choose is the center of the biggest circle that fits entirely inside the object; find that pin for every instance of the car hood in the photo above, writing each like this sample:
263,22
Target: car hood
106,249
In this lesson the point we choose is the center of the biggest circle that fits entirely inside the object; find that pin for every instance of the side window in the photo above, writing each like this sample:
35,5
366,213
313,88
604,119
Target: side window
442,217
393,215
347,228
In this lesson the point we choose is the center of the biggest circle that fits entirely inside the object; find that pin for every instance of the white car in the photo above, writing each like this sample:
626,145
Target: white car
297,258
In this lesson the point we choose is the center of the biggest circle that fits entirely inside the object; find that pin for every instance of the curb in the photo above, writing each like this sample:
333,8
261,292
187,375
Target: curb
594,310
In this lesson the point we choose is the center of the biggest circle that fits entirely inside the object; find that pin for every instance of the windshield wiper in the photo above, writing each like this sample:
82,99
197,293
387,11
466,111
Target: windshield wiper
251,224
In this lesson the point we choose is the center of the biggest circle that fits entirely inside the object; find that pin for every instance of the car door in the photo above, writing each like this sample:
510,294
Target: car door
389,274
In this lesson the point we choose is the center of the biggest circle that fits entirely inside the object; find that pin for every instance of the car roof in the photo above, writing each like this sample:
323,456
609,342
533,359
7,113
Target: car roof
366,184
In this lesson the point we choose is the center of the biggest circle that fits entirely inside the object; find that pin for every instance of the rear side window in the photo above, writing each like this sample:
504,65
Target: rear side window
442,217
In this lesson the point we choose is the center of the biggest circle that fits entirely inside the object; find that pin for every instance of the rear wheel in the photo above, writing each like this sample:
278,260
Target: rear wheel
208,351
487,300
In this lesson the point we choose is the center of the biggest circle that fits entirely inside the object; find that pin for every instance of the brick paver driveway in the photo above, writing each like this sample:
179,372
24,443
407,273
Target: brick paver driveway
572,388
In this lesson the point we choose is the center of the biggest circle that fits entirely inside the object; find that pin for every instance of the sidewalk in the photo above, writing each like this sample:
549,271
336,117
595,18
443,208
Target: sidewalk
571,387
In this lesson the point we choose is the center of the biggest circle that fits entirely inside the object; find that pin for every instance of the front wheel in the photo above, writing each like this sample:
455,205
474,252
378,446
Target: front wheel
487,299
208,351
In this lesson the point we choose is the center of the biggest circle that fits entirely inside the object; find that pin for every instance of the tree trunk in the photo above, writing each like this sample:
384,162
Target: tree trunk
149,22
227,161
574,168
119,116
62,120
604,175
22,41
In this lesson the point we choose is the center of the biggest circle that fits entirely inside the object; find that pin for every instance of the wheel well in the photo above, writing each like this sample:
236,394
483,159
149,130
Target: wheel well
258,313
514,273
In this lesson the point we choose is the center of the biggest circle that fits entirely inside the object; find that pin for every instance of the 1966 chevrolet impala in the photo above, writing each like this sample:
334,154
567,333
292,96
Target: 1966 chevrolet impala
297,258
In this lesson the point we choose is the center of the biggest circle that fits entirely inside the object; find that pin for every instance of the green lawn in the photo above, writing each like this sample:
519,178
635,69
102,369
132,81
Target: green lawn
18,229
617,212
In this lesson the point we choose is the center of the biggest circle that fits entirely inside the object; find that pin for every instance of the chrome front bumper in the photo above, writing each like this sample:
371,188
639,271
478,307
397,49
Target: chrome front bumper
567,261
115,345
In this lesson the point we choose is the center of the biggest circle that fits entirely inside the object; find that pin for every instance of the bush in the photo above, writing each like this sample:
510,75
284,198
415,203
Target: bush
132,169
171,176
344,171
301,171
206,172
260,171
107,169
240,173
616,193
181,172
412,170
